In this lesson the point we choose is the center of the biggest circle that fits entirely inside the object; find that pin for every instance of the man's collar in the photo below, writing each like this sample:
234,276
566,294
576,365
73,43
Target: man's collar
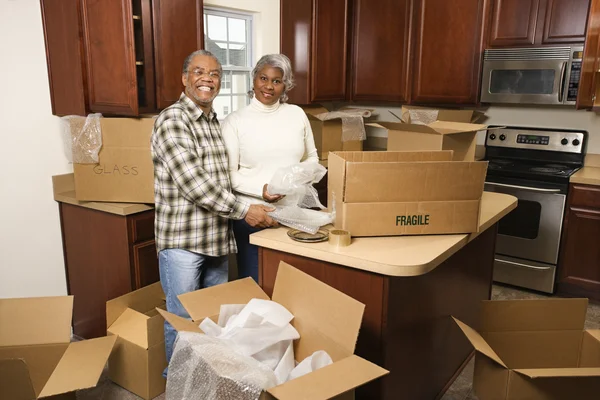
194,110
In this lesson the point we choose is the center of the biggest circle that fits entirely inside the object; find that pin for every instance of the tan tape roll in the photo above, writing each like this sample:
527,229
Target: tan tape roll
339,238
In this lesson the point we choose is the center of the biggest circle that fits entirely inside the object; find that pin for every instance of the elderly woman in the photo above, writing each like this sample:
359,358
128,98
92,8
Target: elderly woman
262,137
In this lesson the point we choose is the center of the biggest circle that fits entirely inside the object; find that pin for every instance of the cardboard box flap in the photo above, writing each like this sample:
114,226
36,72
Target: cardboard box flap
126,132
595,333
80,367
207,302
439,114
132,326
330,381
312,111
180,324
449,128
394,156
559,372
321,309
142,300
35,320
15,382
589,355
478,342
532,315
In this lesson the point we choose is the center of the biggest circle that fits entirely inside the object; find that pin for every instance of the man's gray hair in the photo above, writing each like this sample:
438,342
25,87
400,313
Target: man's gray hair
188,60
276,61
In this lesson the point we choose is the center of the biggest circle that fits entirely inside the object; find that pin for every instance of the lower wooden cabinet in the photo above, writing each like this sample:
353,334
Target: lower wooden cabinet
579,263
106,255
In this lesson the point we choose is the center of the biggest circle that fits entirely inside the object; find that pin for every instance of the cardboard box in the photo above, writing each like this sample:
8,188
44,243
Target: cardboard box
535,350
37,359
404,193
427,115
325,318
124,172
138,361
328,134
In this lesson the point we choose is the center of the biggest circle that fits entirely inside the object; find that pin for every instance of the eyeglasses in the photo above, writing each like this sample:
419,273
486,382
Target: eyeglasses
211,74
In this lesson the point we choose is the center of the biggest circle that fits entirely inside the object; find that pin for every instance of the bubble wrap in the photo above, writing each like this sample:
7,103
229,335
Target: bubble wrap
205,368
82,138
420,117
353,125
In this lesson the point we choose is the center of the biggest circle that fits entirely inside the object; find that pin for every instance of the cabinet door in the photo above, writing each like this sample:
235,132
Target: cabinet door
145,264
178,31
514,22
589,84
565,21
329,50
64,55
381,50
448,51
110,56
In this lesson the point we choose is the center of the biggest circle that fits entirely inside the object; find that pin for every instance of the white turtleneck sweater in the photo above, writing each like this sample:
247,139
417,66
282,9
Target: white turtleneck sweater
261,139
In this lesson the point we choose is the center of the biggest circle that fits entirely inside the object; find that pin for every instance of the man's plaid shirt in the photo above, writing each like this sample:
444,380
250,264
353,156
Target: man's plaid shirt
192,191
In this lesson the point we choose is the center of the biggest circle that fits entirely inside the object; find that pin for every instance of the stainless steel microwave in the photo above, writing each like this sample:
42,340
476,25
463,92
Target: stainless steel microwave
545,75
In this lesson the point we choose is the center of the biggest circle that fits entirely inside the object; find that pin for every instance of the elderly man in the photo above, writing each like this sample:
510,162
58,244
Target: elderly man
192,190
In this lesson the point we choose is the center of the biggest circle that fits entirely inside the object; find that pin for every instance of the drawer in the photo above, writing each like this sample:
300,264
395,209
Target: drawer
142,226
584,196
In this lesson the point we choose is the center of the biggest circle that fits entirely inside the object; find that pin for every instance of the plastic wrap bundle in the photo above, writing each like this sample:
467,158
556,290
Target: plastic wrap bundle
82,138
420,116
295,182
203,367
353,126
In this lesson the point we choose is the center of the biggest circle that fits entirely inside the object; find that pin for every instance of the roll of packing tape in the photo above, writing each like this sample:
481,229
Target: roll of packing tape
339,238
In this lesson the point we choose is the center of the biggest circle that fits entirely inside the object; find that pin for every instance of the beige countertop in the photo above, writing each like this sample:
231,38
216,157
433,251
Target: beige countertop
64,192
390,255
590,173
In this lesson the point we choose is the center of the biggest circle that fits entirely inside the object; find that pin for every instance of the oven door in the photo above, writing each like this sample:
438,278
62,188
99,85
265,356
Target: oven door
532,230
524,81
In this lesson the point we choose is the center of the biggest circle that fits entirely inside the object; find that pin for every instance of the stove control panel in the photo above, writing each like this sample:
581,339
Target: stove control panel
536,139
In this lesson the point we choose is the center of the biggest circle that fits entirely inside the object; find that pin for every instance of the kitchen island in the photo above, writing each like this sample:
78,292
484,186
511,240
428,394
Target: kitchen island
411,285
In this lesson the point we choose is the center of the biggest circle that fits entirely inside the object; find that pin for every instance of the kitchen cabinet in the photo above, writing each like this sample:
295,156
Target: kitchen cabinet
381,49
579,264
124,57
537,22
314,36
106,255
588,96
448,51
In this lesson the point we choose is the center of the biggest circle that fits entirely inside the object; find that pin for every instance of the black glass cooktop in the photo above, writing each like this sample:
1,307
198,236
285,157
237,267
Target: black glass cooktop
531,170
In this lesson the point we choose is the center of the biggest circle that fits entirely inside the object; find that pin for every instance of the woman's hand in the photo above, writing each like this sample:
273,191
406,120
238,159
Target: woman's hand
270,198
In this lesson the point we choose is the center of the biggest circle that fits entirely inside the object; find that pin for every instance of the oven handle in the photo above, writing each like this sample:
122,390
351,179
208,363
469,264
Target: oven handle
561,85
523,265
525,188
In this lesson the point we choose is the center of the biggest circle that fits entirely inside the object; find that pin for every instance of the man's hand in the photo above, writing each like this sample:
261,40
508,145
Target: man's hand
257,216
270,198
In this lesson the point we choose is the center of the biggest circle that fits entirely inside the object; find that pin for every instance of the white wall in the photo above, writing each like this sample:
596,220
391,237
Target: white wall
31,261
266,22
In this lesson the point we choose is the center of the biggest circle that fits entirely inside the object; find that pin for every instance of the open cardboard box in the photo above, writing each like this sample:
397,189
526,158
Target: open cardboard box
124,172
535,350
138,360
37,359
325,318
328,134
382,193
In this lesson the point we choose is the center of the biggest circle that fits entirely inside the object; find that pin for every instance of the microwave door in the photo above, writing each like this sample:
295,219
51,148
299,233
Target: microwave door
523,81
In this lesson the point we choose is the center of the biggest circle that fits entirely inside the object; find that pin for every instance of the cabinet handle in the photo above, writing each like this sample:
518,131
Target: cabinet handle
139,63
137,17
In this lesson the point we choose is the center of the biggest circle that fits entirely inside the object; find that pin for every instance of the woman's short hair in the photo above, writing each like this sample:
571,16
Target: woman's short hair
188,60
282,62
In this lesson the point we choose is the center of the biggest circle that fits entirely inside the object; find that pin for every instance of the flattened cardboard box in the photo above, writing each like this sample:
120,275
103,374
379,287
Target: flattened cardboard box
328,134
124,172
37,359
138,360
404,193
535,350
333,328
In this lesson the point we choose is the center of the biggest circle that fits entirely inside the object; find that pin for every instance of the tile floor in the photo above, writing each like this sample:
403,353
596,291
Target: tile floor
460,390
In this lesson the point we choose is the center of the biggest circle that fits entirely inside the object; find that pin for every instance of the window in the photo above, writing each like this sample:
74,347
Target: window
228,35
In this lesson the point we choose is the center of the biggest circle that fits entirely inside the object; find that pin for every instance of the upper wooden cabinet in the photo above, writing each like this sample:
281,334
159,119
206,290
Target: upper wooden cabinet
537,22
126,57
381,48
588,96
314,37
449,43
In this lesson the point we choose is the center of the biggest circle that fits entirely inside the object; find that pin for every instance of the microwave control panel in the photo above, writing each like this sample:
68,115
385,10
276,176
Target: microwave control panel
574,75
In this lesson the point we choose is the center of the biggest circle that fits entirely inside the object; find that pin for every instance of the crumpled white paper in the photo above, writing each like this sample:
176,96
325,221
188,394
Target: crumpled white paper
261,329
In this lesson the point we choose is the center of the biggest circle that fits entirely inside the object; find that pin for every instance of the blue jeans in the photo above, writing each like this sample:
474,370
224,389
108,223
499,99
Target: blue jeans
182,271
247,256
